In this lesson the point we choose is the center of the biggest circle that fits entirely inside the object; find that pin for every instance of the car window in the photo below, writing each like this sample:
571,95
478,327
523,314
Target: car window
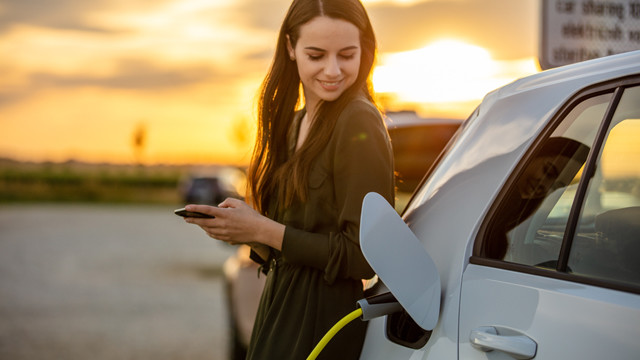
529,225
607,240
532,223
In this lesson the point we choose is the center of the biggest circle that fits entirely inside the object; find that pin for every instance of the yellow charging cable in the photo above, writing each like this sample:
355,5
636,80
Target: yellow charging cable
334,330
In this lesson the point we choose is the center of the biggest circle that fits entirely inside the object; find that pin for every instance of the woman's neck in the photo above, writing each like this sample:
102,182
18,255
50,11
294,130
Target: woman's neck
303,130
311,106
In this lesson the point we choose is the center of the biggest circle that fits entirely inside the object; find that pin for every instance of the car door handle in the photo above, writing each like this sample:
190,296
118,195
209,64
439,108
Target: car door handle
518,346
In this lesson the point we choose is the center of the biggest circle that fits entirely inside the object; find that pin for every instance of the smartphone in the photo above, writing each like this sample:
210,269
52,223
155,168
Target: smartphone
184,213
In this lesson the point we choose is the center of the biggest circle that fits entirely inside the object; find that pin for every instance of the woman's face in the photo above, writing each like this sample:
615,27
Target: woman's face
328,58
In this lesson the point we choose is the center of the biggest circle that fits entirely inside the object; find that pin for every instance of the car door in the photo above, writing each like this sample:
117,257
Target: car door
555,271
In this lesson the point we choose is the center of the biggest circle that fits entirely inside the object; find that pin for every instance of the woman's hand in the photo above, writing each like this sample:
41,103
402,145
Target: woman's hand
237,223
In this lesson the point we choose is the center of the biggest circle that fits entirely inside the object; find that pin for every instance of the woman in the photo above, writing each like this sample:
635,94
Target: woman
309,173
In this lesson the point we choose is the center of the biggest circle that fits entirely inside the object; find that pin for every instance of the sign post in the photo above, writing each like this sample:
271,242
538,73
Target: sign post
578,30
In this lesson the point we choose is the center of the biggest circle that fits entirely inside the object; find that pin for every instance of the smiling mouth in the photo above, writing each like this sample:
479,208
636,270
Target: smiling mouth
330,84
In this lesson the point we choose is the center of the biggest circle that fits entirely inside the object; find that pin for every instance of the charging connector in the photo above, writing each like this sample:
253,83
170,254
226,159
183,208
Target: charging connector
379,305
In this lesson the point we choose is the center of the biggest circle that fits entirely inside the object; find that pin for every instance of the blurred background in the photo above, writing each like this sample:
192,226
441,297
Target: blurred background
113,113
175,81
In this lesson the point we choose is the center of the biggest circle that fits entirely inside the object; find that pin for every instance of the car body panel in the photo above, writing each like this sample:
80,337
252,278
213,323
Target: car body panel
451,204
529,304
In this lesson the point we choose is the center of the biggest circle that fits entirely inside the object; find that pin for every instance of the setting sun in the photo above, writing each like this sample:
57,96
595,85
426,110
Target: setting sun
79,82
446,71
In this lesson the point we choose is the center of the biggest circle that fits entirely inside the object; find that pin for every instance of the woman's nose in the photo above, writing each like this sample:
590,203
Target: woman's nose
332,67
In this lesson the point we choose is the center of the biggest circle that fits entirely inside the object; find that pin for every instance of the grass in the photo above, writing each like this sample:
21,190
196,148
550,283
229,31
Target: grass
82,182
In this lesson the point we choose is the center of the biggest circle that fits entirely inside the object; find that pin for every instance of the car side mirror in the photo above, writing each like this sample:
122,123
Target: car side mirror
400,260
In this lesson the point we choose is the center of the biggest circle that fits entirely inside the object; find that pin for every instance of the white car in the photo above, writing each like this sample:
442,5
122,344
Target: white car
523,241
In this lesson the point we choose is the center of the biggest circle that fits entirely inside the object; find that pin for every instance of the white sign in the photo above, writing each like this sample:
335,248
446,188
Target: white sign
578,30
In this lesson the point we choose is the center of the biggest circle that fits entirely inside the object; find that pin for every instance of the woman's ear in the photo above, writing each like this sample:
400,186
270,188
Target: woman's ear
292,53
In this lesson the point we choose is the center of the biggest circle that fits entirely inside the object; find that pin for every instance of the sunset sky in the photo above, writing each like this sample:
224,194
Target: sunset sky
81,78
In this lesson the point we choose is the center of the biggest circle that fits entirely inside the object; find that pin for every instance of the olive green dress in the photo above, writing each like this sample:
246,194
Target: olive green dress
317,277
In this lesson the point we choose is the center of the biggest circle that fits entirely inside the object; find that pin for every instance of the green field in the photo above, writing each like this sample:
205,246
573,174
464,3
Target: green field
83,182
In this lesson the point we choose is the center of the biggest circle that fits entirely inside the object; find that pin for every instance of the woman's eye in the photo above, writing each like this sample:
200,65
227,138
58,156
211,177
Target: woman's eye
347,57
314,57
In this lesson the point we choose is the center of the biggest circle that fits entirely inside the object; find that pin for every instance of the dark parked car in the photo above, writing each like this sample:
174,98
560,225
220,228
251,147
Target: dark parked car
417,142
213,186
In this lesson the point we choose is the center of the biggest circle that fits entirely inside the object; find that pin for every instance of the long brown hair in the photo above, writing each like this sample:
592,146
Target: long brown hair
280,96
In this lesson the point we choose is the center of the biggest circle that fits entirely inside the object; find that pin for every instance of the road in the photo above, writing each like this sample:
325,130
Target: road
108,282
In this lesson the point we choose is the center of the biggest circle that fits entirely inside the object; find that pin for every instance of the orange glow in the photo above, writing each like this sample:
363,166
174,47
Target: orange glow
622,145
79,82
97,125
445,73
